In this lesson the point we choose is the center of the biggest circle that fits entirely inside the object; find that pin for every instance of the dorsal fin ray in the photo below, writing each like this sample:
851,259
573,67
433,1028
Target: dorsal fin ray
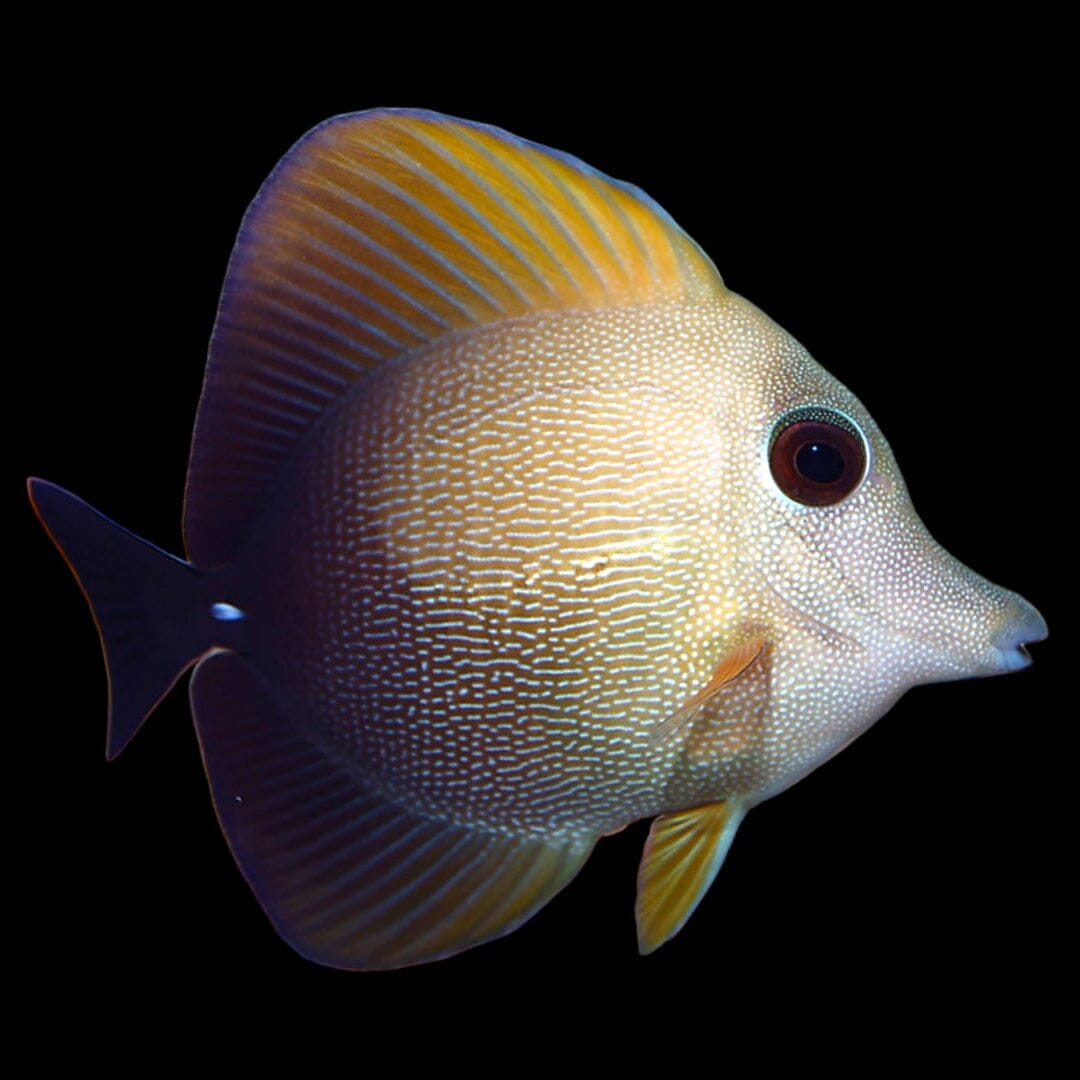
377,234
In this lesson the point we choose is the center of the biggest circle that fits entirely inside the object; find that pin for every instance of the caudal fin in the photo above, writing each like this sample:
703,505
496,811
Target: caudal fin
146,604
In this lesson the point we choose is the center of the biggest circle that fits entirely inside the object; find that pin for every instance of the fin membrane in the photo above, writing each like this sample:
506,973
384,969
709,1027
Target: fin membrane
682,855
380,233
350,879
143,601
731,667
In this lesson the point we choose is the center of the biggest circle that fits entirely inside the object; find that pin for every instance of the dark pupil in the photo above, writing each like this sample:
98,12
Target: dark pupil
819,462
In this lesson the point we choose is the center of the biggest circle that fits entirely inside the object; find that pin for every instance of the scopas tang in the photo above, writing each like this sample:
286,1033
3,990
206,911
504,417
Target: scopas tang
508,524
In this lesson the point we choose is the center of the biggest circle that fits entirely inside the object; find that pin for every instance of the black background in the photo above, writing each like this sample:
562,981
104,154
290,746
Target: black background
902,218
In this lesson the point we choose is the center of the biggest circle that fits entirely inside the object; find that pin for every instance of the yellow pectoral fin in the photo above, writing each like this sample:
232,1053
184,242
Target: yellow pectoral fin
735,664
682,855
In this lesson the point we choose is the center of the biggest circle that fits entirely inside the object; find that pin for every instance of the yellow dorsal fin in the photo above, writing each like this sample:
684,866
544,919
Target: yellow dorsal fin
379,233
682,855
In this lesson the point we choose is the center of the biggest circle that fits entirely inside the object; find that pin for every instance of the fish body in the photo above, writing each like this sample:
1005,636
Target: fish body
508,524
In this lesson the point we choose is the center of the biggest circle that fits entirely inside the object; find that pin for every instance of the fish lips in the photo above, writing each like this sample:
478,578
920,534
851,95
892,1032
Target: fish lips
986,633
1026,627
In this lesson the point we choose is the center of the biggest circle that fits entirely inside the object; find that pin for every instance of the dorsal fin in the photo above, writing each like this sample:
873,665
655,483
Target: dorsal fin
379,233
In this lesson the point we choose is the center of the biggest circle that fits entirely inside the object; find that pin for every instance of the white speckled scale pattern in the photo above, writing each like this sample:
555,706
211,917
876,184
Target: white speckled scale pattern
506,561
494,548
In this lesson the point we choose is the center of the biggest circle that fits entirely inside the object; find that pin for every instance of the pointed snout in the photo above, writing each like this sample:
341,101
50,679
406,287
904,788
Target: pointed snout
1022,626
963,626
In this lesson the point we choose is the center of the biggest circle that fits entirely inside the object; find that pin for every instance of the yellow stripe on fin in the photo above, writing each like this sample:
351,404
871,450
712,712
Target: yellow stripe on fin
379,233
350,878
682,855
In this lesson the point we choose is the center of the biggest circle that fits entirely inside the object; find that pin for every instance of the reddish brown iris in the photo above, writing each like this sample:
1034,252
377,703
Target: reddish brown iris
815,461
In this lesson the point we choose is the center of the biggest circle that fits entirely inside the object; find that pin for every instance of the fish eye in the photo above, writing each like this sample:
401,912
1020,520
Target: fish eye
817,456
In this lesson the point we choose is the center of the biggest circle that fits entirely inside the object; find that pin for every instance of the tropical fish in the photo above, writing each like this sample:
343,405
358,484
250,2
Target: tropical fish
508,524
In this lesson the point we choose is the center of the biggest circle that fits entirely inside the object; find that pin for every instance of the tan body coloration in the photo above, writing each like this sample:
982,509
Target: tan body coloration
546,567
571,550
486,461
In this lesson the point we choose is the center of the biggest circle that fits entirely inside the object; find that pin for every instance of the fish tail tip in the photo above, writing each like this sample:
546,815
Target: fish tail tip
40,491
141,599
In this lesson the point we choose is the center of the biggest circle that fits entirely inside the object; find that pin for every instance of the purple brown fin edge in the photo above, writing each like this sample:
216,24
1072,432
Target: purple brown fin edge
146,603
350,878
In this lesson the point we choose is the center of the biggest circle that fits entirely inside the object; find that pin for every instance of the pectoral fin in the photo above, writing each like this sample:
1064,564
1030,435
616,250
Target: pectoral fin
751,654
681,857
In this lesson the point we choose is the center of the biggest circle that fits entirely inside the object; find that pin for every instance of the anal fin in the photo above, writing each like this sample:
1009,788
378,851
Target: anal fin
682,855
350,879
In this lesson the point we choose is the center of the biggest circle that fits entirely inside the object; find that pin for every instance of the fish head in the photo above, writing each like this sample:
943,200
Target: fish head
857,600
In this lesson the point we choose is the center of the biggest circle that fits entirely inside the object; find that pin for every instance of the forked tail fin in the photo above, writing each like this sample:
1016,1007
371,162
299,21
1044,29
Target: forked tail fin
147,604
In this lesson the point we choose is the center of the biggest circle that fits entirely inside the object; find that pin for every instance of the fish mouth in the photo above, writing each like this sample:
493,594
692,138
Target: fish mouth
1011,644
